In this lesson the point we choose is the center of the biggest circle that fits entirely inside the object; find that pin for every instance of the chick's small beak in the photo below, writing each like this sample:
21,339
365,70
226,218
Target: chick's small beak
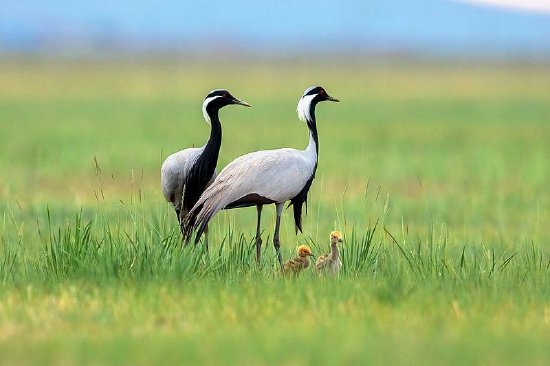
332,99
311,255
340,240
241,102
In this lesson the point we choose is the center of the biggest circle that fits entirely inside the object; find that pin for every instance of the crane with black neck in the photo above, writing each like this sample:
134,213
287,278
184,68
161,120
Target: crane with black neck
186,173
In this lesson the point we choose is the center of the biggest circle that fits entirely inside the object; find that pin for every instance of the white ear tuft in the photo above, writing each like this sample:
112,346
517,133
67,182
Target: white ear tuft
304,107
204,105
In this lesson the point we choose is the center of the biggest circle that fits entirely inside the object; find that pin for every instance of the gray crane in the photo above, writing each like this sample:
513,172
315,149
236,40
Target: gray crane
264,177
186,173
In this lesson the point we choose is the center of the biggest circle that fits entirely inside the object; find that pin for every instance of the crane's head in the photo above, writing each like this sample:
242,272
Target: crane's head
335,237
304,251
217,99
309,100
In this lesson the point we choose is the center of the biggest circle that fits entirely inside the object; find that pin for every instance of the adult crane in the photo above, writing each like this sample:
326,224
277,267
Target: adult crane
264,177
186,173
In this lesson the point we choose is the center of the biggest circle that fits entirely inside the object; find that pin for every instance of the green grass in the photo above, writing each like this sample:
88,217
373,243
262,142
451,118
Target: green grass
437,175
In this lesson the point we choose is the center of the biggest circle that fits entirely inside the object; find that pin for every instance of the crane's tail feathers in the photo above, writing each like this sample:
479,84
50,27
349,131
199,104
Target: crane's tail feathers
200,215
202,219
189,222
297,210
297,207
298,201
297,217
200,231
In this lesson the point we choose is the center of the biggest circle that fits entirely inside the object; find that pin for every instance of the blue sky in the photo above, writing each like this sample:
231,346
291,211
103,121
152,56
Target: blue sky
418,26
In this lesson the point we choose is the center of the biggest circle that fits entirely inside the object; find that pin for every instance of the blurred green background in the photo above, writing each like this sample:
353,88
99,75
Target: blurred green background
465,145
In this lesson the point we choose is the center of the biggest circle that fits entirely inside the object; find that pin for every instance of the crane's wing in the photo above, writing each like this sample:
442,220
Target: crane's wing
263,177
173,174
277,175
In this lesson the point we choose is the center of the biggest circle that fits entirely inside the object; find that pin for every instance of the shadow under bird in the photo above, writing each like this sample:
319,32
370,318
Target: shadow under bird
186,173
264,177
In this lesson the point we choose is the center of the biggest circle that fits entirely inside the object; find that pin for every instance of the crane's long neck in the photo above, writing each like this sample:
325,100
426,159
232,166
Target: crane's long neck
204,167
212,148
313,136
306,113
335,252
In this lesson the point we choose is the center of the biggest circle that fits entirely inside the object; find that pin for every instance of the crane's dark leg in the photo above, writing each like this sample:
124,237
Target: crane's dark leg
178,214
276,243
180,220
206,238
258,235
181,217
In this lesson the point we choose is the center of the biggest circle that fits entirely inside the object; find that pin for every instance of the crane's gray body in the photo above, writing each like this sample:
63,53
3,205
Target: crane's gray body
186,173
174,171
268,176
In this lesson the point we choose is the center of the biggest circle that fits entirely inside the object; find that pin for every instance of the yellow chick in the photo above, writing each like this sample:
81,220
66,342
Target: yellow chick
300,262
331,262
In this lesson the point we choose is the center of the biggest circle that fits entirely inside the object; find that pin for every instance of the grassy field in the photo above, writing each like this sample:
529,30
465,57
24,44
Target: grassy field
437,175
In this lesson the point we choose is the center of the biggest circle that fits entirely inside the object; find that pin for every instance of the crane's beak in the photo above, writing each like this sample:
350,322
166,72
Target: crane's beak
240,102
332,99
